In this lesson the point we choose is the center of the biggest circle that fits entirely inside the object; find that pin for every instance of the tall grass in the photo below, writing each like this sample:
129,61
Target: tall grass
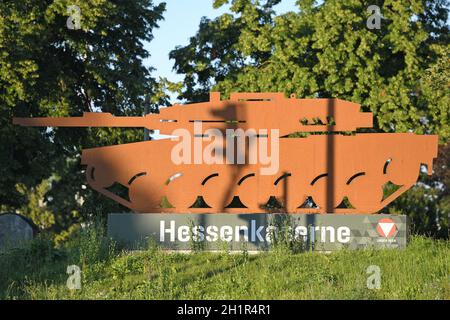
38,271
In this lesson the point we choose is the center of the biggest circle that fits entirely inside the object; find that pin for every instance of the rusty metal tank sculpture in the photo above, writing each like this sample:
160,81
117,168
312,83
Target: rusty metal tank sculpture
314,174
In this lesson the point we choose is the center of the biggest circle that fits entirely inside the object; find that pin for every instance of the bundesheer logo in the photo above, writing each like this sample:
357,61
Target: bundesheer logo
386,228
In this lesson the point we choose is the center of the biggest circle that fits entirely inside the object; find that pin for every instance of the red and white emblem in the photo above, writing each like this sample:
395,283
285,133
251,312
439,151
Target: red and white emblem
386,227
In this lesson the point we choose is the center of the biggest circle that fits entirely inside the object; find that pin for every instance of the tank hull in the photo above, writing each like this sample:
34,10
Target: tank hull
312,174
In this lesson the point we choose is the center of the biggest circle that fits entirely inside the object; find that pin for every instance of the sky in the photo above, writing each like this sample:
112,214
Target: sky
181,20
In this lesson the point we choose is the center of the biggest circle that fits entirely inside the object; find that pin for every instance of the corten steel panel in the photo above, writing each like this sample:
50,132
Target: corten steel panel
324,168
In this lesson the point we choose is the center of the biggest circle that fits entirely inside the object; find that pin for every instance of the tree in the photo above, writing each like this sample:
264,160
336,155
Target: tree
399,72
54,64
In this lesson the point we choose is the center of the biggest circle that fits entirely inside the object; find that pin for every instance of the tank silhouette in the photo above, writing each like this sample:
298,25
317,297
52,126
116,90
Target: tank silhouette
314,174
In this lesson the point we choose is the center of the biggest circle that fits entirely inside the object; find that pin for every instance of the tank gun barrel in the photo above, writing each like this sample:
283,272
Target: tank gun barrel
89,119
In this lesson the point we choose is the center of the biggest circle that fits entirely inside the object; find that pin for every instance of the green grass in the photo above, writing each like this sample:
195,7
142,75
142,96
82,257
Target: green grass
38,271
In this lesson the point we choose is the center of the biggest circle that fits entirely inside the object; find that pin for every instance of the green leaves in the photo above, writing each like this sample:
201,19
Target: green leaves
325,50
399,72
218,3
49,69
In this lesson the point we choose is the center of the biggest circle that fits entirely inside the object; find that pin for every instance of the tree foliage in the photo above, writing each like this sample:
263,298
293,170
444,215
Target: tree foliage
399,72
49,69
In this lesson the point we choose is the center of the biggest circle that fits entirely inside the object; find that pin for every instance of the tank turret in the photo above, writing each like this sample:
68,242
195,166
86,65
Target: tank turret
242,110
312,174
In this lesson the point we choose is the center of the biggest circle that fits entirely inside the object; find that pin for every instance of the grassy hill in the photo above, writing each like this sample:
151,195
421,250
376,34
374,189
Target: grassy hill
38,271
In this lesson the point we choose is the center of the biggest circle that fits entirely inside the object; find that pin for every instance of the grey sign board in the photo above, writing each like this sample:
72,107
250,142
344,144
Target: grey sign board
253,232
